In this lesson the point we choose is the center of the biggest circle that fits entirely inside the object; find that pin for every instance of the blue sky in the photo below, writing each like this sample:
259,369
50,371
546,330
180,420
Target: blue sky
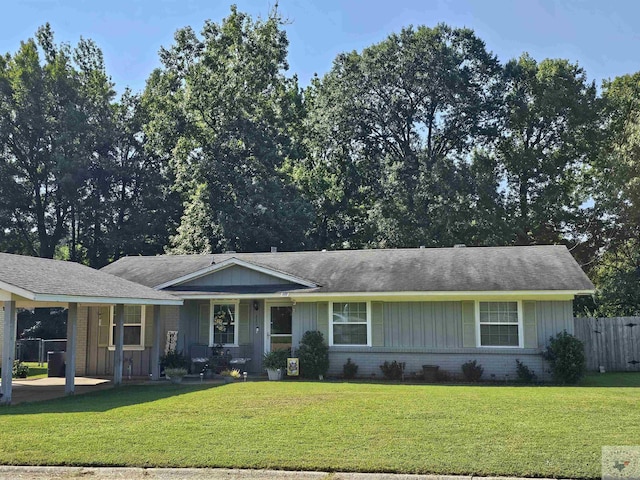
602,36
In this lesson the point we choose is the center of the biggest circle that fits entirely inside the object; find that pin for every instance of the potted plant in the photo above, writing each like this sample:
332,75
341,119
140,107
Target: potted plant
275,362
175,374
230,375
175,365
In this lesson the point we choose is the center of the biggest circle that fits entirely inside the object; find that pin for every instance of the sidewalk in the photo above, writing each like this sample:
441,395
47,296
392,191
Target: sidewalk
102,473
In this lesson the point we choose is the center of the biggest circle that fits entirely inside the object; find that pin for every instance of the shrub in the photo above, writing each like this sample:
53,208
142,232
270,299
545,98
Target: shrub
313,354
175,373
233,373
349,369
174,359
393,370
20,370
565,354
276,359
472,371
525,374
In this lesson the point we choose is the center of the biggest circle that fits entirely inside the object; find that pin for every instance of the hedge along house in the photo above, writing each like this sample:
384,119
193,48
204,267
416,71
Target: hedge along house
31,282
439,306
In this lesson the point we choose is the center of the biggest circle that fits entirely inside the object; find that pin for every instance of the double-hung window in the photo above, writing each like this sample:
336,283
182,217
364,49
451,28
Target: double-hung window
133,327
499,324
350,323
223,327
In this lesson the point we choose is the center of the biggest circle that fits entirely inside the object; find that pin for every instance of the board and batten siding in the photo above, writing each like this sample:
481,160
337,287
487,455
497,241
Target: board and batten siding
1,332
444,334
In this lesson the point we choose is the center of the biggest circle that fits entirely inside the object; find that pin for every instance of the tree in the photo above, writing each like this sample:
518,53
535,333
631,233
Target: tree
227,127
52,98
549,137
392,133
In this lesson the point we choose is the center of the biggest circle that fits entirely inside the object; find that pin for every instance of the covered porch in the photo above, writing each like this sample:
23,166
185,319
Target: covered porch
30,282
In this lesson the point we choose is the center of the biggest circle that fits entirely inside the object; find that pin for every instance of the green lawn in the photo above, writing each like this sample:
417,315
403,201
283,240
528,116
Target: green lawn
523,431
36,371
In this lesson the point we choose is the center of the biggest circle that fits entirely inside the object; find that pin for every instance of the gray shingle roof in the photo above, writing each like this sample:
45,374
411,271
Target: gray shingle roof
42,276
526,268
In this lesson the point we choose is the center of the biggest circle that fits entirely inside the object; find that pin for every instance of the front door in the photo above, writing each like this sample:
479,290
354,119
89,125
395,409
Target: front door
279,332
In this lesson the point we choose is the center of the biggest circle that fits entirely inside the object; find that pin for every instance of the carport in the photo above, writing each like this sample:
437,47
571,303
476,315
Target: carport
31,282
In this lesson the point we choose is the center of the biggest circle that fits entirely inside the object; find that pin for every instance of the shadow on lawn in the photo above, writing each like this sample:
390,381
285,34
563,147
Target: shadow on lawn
105,400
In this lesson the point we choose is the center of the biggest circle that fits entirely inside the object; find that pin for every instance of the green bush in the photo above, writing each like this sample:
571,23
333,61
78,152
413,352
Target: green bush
314,355
472,371
393,370
565,354
525,374
20,370
276,359
174,359
349,369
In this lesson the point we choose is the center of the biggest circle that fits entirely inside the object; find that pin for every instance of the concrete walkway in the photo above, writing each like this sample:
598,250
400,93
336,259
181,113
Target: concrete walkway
42,473
52,387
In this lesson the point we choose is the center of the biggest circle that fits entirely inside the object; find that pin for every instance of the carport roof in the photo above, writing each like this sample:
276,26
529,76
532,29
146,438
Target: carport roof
45,280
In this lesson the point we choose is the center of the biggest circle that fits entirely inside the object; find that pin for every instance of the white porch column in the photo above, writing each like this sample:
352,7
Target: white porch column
8,350
158,328
118,357
70,359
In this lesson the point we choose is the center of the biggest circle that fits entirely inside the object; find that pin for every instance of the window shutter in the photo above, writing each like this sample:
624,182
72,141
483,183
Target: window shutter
377,324
322,321
244,335
148,325
203,324
468,324
530,325
104,319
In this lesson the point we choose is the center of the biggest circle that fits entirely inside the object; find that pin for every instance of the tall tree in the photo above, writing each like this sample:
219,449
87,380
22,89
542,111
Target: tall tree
549,137
51,99
392,134
230,112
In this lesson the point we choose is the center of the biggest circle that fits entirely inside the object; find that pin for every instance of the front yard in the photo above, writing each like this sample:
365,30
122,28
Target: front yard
522,431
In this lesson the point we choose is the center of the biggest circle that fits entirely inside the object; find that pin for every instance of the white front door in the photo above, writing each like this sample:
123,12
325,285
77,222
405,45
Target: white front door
278,326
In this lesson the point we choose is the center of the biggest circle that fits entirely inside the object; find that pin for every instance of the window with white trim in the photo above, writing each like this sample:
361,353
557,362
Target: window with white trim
133,327
223,329
349,323
499,324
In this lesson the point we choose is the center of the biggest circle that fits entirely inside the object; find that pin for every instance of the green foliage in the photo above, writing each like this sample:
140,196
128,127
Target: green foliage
389,132
276,359
174,359
565,354
617,280
472,371
525,374
393,370
20,370
349,370
549,130
226,115
313,354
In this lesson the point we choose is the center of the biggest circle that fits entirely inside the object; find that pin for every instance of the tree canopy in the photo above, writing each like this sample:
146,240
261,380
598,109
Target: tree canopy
424,138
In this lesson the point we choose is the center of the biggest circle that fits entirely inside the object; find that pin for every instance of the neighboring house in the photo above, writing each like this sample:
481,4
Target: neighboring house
438,306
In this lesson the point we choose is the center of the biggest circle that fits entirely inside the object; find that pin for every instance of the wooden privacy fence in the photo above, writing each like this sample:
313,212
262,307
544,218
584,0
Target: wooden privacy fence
613,343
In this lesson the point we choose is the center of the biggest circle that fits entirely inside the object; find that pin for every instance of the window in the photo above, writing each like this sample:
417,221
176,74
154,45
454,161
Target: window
133,327
223,328
499,324
349,323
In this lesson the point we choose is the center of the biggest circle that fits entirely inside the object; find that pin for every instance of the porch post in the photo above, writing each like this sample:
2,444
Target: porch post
157,340
72,336
118,357
8,350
